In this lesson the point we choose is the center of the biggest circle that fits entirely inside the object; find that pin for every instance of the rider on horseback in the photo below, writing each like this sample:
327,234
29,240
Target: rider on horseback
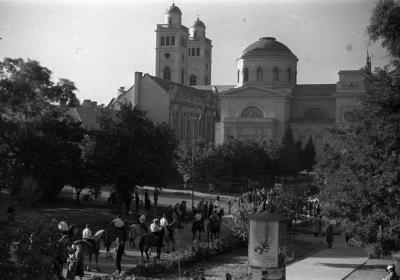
155,228
142,221
119,225
88,236
164,223
63,226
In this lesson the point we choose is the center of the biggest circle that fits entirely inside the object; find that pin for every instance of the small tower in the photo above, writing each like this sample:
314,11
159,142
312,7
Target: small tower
199,55
171,47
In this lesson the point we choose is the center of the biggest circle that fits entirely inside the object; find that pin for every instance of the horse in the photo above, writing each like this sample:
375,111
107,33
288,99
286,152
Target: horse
135,230
71,234
213,229
169,234
197,226
89,249
112,234
151,240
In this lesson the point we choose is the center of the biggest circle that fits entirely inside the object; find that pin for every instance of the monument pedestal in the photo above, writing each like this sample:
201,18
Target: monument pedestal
267,246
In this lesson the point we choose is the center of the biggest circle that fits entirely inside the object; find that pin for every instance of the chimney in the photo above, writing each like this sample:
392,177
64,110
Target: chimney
136,96
121,90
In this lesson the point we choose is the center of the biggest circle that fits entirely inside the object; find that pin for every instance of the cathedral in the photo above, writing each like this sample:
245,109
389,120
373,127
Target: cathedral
264,101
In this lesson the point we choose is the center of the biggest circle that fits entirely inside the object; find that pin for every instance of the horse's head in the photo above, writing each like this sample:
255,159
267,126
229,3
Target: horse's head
64,241
100,235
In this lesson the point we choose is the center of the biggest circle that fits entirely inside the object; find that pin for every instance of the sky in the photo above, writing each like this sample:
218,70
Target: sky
100,44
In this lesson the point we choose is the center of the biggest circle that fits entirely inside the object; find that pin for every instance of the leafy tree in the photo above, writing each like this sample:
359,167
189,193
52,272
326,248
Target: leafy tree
39,141
131,150
360,173
288,158
308,155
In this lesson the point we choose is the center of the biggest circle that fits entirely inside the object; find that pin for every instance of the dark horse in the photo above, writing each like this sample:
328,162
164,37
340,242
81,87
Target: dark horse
213,229
197,226
71,234
151,240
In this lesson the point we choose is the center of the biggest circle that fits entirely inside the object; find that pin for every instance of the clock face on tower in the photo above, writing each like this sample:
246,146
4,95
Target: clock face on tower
167,55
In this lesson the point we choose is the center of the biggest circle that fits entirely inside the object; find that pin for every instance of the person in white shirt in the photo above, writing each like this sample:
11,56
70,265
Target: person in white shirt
164,221
86,233
63,226
198,217
155,226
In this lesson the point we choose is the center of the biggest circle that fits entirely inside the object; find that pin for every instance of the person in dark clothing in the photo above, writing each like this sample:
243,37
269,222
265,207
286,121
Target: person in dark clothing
79,270
147,205
137,201
205,210
119,251
156,192
392,275
210,209
329,235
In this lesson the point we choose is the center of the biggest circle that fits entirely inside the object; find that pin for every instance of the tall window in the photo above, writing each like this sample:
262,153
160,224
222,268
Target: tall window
289,75
167,40
193,51
275,73
173,40
246,74
259,74
162,40
167,73
182,76
206,80
197,51
238,76
192,80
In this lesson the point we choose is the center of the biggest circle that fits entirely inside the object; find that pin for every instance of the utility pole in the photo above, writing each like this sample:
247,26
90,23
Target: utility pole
194,118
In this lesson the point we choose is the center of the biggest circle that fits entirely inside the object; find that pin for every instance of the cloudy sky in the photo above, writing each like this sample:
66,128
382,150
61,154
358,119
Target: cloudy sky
100,44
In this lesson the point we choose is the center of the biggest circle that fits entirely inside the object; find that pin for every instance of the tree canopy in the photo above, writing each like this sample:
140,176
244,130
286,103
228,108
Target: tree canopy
39,142
360,172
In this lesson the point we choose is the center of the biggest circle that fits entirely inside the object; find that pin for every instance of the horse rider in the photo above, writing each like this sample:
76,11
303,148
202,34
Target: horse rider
164,223
142,221
63,226
214,216
199,218
87,235
155,228
119,225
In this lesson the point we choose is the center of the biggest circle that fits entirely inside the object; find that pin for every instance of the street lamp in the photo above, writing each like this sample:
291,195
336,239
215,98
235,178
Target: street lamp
193,151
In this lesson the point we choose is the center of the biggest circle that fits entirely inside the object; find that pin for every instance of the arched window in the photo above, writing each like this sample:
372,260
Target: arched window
259,74
182,76
275,73
192,80
289,75
238,76
245,75
252,112
167,73
206,80
314,114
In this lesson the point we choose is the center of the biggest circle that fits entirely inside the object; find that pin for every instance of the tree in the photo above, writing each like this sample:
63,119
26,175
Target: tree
288,158
132,151
360,172
308,155
39,141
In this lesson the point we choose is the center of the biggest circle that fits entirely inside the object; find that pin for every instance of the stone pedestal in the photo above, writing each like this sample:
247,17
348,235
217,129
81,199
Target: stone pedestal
267,246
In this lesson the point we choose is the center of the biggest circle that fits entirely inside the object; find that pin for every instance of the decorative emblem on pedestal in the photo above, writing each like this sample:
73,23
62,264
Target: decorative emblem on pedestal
264,248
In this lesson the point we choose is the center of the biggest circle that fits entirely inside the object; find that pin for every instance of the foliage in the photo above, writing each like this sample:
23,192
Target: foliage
360,173
131,150
308,155
27,256
39,142
288,155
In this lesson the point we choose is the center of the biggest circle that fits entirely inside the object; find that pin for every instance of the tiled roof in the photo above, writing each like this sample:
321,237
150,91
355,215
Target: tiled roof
89,116
165,84
314,90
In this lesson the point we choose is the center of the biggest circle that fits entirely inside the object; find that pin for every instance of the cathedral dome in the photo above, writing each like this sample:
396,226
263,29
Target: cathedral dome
198,23
267,46
174,9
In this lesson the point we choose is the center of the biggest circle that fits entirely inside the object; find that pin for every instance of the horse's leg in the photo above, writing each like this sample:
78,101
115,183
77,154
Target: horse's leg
147,252
158,252
90,262
96,257
199,235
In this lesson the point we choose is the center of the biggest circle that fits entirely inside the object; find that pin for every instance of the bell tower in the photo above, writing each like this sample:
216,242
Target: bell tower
171,47
199,55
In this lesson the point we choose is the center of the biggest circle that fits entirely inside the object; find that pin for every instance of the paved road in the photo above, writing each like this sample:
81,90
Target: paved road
329,264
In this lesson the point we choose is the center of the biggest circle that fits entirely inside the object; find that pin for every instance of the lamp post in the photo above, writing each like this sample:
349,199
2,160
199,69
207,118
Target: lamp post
193,151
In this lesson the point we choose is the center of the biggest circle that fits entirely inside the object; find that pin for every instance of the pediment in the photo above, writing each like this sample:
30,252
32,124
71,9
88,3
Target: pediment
255,91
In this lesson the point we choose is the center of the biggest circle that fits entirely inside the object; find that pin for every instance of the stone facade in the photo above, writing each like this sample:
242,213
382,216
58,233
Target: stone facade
267,98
